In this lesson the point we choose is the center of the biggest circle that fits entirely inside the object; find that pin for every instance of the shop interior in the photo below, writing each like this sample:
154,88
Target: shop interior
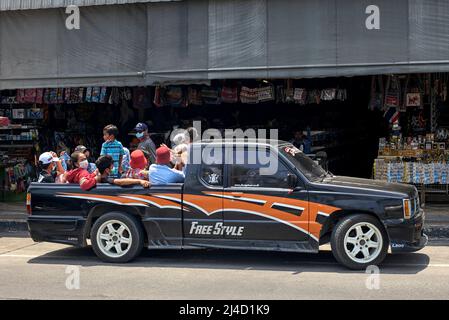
355,121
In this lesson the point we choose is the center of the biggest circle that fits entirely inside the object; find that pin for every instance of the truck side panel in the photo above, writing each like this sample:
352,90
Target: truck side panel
61,213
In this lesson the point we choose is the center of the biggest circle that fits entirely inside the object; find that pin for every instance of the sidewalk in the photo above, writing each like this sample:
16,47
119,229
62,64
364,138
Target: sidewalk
13,218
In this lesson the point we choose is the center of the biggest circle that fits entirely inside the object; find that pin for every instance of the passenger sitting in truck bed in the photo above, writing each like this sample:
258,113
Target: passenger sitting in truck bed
105,165
50,168
79,173
161,173
138,166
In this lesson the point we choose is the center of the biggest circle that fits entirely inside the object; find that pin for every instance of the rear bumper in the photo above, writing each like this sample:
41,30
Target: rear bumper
407,235
66,230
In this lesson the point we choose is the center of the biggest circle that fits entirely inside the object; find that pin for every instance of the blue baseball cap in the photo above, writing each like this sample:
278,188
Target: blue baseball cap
141,127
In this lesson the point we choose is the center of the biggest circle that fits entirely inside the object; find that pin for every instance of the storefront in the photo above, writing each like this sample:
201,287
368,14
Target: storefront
294,66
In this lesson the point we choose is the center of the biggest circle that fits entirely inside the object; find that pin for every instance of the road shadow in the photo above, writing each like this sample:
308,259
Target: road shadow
410,263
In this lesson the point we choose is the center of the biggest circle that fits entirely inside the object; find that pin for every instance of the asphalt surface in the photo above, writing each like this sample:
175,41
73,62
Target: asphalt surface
31,270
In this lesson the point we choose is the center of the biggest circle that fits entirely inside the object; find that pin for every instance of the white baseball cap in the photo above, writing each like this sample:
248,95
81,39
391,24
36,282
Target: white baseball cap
47,158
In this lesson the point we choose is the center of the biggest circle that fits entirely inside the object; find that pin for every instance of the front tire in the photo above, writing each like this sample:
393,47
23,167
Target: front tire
359,241
117,237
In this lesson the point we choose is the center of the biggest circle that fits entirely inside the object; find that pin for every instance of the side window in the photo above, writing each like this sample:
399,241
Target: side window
257,168
212,175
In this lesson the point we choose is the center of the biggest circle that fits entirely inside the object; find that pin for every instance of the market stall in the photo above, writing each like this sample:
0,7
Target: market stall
417,148
59,119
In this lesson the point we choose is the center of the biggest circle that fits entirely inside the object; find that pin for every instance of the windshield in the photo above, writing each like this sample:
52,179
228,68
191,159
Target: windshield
307,166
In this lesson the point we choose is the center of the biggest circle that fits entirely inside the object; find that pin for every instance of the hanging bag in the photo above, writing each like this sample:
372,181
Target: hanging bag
377,93
249,95
229,95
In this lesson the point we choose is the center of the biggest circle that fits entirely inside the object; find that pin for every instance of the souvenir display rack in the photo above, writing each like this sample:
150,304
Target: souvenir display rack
417,150
18,142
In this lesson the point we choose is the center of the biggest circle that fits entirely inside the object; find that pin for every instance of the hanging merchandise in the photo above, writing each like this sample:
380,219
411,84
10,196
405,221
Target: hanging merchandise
103,94
114,98
419,123
18,113
60,95
9,99
413,99
141,97
157,100
96,94
392,115
377,93
265,94
229,95
4,122
30,96
35,114
127,94
328,94
89,94
53,96
47,96
413,92
174,96
194,96
314,97
290,92
392,92
210,95
342,95
20,98
72,95
67,94
289,95
300,96
280,94
249,95
39,96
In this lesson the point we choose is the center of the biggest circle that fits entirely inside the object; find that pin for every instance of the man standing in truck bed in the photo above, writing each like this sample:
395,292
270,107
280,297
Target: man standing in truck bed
145,143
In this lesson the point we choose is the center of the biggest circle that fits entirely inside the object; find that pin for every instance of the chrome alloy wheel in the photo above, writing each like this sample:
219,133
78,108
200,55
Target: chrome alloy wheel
114,238
363,242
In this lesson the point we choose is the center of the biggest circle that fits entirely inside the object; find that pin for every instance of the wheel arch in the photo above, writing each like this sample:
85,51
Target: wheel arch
101,209
334,218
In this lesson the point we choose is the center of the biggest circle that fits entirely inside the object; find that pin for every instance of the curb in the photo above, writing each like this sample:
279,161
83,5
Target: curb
13,226
434,232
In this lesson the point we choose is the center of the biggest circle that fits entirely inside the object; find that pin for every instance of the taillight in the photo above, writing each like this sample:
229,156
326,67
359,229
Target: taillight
407,209
29,203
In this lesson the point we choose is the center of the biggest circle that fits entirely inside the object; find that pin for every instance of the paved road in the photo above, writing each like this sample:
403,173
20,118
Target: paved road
38,271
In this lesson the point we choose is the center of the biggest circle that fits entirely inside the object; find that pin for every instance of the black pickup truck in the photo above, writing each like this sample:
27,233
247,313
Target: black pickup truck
229,201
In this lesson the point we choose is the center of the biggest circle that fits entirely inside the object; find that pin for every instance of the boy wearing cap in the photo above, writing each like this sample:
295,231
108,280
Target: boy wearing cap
48,161
161,173
145,143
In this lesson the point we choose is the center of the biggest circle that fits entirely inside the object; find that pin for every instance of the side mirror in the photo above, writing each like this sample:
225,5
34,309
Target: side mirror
292,181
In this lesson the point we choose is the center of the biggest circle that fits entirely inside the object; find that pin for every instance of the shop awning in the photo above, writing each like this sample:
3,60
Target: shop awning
143,43
10,5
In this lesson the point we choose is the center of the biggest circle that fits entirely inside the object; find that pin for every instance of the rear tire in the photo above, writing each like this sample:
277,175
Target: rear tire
117,237
359,241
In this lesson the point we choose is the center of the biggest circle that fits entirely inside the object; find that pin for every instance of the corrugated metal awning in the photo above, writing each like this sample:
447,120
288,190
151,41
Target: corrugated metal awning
11,5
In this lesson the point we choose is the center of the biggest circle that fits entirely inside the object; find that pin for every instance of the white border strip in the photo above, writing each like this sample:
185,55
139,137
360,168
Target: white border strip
289,206
104,200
